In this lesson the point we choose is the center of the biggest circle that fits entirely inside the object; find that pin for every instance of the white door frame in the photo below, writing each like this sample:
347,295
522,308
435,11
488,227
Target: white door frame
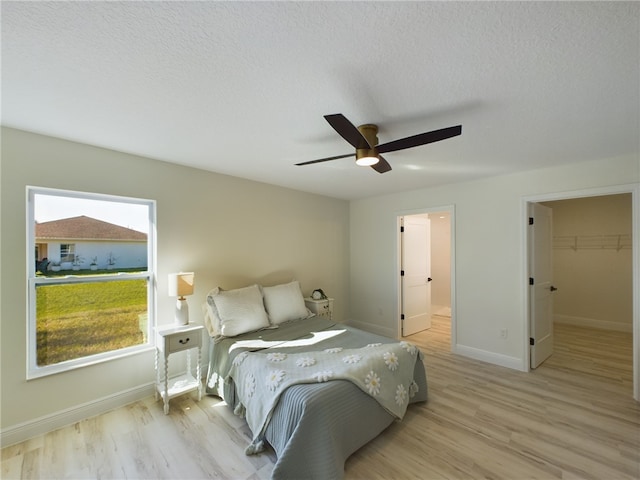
634,190
421,211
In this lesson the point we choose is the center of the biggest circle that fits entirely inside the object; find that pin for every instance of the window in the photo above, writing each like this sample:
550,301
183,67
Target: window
67,252
91,271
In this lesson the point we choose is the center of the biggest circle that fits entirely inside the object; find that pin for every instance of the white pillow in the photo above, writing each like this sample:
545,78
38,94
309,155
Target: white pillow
284,302
240,310
211,318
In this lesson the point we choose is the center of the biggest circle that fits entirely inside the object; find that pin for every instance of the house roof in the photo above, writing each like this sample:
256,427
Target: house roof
240,88
86,228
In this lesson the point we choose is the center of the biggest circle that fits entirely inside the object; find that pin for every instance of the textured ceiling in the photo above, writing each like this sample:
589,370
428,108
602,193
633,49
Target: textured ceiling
241,88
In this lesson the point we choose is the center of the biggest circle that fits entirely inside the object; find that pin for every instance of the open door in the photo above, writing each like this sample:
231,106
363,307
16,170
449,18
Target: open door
415,274
540,284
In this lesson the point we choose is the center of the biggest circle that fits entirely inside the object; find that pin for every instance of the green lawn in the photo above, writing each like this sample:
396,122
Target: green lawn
77,320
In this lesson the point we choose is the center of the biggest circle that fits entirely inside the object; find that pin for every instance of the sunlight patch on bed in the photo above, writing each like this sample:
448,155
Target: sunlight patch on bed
258,343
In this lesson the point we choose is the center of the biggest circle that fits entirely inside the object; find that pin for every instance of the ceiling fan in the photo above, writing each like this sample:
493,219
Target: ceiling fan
365,140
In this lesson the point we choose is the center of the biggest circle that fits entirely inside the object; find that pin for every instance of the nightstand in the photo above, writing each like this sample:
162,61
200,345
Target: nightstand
175,339
322,308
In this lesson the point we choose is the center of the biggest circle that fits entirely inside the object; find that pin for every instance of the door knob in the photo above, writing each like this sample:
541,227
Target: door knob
552,288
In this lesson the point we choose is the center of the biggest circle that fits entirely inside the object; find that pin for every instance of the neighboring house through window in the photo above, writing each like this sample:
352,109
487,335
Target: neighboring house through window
91,270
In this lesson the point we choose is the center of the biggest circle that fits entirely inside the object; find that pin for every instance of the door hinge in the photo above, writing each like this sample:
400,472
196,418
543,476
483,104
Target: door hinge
532,342
401,229
402,316
402,273
530,220
530,280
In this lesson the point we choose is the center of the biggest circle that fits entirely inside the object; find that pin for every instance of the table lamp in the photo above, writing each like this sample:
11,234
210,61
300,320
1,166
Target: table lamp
180,285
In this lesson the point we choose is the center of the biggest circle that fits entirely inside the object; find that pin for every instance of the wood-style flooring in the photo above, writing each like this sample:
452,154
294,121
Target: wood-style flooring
572,418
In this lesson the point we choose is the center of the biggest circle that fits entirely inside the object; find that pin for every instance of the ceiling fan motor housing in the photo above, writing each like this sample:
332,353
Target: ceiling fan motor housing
370,133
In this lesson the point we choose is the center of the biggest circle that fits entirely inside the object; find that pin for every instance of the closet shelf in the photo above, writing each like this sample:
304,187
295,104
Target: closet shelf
593,242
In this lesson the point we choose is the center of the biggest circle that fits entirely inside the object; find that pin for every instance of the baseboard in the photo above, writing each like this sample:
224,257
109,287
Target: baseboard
593,323
377,329
39,426
441,310
489,357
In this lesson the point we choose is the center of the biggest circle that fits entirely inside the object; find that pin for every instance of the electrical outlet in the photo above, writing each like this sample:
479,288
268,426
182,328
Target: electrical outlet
504,333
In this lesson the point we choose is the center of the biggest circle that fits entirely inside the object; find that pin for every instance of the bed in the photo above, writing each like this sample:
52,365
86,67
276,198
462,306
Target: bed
310,387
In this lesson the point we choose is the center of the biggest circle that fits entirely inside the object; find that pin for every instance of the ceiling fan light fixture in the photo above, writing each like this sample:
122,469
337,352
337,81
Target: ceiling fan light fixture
366,157
367,161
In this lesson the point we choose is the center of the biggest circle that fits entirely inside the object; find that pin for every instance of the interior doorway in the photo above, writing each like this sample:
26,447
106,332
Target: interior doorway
441,259
579,244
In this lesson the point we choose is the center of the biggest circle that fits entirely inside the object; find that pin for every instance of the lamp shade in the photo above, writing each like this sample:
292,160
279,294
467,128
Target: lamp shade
181,284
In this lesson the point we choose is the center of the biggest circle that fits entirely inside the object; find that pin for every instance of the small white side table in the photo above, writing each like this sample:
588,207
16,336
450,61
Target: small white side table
170,340
323,307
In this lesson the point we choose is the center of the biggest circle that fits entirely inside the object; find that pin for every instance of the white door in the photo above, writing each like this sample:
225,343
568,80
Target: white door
415,274
541,286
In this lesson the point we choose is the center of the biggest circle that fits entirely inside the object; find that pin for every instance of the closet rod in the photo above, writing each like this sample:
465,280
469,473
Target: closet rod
593,242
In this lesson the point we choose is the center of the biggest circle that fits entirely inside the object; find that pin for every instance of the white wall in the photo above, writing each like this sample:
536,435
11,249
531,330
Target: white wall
229,231
489,252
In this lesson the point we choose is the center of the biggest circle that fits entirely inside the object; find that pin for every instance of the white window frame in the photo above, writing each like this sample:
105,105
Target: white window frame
70,250
35,371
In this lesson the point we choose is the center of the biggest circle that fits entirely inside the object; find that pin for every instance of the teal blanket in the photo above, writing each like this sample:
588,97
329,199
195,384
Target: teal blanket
314,427
385,371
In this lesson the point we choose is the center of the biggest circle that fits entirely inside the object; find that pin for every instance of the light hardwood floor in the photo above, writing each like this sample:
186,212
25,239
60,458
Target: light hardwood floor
573,417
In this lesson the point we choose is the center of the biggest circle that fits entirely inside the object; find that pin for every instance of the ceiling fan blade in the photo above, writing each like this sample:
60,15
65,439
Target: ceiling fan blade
382,166
347,130
326,159
420,139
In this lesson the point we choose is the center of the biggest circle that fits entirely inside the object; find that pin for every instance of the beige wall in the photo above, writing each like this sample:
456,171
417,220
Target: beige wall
489,252
229,231
594,283
440,261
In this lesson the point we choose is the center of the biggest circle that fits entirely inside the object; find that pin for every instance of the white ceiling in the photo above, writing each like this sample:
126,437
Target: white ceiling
241,88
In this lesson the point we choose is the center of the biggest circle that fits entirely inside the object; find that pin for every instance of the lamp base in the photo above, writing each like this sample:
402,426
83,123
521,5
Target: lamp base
182,312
